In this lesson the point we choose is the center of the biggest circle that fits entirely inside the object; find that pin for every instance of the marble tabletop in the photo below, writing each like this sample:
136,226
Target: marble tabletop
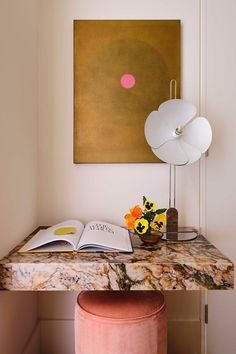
192,265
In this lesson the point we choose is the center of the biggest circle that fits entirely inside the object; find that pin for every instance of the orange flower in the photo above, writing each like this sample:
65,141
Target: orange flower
129,220
136,211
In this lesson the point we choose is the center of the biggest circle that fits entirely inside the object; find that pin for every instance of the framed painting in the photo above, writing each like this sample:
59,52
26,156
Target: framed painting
122,72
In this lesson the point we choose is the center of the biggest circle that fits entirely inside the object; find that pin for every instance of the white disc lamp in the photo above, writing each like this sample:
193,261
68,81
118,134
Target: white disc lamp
177,136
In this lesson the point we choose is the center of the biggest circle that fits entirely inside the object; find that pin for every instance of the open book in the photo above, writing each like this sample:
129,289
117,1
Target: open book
72,235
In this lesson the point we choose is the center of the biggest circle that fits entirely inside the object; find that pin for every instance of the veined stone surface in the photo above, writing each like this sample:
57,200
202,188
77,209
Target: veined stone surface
192,265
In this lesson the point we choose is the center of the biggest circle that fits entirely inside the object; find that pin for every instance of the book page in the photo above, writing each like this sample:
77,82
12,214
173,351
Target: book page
105,236
55,242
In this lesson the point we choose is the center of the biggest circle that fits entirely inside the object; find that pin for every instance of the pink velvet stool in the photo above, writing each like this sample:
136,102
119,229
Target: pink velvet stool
120,322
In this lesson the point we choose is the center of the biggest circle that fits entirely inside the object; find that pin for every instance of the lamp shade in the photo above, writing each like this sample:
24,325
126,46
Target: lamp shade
175,135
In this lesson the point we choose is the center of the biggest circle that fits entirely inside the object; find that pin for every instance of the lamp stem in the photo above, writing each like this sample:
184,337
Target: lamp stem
170,186
173,85
172,212
172,182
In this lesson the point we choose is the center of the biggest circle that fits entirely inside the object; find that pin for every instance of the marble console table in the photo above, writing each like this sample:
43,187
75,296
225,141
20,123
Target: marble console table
195,265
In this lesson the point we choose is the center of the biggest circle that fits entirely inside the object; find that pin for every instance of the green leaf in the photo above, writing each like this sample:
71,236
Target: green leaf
144,200
160,211
149,216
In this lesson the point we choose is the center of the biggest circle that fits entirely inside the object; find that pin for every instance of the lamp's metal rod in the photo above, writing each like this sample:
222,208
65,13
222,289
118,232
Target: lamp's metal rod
172,179
173,84
174,185
170,183
172,213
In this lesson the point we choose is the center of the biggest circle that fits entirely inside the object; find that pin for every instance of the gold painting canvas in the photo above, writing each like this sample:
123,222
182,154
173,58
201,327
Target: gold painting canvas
122,72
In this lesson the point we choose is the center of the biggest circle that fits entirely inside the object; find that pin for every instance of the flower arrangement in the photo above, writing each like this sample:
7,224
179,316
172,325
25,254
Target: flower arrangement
147,220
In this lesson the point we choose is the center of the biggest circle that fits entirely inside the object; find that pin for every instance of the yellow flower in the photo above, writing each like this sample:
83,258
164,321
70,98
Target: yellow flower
159,222
150,206
141,226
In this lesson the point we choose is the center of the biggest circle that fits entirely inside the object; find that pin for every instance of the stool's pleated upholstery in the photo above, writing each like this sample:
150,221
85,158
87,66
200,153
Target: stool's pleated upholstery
120,322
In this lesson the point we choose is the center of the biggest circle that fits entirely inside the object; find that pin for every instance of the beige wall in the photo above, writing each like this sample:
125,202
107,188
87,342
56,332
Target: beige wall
18,156
18,323
18,133
221,167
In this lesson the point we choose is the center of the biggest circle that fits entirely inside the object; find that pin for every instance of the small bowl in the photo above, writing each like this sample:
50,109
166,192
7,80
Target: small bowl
149,239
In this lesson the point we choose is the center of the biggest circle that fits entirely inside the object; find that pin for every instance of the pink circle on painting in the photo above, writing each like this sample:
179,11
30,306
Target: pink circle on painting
127,81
